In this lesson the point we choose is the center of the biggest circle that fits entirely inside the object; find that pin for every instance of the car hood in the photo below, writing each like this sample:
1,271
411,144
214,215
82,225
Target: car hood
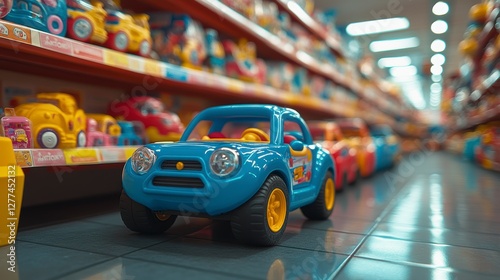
202,149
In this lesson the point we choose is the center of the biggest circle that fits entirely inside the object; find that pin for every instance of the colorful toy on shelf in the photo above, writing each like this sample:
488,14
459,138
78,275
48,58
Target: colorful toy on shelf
266,15
86,21
488,151
160,125
178,39
5,7
216,57
130,133
242,62
280,75
17,129
387,146
358,135
328,134
96,138
57,122
126,33
108,125
244,7
45,15
472,140
253,180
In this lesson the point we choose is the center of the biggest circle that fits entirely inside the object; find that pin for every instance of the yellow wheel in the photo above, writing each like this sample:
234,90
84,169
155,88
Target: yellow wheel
276,210
322,207
262,219
329,194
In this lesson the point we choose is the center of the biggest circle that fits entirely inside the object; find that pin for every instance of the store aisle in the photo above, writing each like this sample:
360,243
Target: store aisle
434,216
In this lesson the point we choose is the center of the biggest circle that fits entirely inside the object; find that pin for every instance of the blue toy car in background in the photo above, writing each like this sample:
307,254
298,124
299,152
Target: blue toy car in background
235,162
129,135
45,15
387,146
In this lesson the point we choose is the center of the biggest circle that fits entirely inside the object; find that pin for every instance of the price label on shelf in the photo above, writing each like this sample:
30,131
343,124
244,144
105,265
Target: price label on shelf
116,59
24,158
110,154
88,52
81,156
48,157
153,68
15,32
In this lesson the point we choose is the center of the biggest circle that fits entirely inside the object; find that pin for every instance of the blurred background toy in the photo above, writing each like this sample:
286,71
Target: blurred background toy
57,122
5,7
178,39
46,15
86,21
131,133
216,57
160,124
242,62
17,129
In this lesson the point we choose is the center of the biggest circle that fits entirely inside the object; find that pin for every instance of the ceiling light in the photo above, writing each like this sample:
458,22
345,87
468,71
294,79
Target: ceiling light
436,69
439,26
438,59
377,26
394,61
436,87
397,44
440,8
438,45
436,78
404,71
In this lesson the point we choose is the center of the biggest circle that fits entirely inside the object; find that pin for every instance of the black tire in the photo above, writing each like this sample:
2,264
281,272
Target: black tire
249,223
139,218
318,210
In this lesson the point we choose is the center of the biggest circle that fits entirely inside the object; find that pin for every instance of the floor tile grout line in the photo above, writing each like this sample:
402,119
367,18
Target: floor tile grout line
377,221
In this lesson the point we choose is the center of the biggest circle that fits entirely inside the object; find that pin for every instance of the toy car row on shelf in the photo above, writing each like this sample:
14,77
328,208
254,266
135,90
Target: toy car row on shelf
54,120
253,164
481,145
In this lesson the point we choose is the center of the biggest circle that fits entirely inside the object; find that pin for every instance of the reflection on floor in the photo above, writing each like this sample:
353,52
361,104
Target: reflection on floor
434,216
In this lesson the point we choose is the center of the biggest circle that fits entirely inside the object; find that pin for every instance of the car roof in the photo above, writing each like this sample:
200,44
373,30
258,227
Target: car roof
243,110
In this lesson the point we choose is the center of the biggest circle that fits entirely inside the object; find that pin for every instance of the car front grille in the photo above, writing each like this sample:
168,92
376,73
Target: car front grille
192,165
180,182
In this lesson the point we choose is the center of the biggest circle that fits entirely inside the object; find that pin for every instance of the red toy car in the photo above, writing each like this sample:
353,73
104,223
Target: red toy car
329,135
358,135
160,125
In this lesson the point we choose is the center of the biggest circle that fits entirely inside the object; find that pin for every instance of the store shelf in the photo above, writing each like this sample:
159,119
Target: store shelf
44,54
216,15
489,32
299,16
490,85
68,157
492,114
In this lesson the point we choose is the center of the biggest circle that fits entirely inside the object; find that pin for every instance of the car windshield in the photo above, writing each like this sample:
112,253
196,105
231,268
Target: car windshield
241,129
149,108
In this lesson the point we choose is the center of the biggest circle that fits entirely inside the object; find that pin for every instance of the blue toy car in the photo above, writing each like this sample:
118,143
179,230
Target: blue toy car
387,146
45,15
129,134
249,164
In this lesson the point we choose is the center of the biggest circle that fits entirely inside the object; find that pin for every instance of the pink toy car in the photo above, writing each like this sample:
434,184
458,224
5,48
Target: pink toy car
96,138
18,129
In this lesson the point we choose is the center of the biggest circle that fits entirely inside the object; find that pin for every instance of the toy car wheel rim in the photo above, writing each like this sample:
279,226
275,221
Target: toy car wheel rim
144,48
48,139
81,139
82,28
329,194
162,216
276,210
55,25
121,41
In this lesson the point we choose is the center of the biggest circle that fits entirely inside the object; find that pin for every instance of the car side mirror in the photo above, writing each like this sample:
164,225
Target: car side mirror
297,145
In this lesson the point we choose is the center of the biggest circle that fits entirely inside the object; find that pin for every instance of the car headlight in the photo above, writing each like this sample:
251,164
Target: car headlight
224,161
142,160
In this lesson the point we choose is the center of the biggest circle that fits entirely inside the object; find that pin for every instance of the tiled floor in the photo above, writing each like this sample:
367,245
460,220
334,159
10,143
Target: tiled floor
434,216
